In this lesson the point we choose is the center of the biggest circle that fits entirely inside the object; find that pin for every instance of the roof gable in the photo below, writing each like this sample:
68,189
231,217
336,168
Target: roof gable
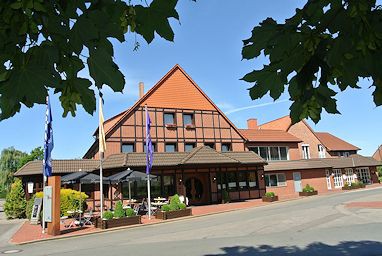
281,124
333,143
378,154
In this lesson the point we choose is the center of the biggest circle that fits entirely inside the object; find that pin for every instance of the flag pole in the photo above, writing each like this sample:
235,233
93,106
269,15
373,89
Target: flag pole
101,148
148,160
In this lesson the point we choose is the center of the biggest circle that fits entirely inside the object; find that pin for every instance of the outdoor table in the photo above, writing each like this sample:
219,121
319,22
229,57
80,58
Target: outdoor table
159,199
158,204
75,217
126,207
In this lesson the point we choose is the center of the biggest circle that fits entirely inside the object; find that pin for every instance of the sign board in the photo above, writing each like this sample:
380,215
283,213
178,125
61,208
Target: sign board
30,187
47,203
36,209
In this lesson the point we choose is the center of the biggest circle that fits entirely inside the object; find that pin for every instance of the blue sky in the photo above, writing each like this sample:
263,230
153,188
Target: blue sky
208,42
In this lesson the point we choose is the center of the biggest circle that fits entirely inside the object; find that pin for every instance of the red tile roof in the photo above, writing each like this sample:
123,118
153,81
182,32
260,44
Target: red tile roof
268,135
333,143
378,154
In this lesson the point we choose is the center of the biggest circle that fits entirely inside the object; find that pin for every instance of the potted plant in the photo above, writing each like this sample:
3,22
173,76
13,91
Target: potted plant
225,197
270,197
308,191
174,209
353,185
119,218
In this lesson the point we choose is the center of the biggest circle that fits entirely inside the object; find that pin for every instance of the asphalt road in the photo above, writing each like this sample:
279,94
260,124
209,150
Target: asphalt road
311,226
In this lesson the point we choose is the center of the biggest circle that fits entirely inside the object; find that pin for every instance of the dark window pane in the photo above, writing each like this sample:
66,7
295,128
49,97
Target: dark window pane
252,179
242,179
155,187
154,146
170,148
188,119
274,153
127,148
273,180
169,118
188,147
125,189
266,180
88,189
264,153
283,153
211,145
140,189
168,185
226,147
231,180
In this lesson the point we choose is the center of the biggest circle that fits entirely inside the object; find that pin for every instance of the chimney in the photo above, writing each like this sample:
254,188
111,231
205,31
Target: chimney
252,124
141,89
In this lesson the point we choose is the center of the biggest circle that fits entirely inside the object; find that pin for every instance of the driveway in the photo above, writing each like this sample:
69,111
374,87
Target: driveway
7,227
320,225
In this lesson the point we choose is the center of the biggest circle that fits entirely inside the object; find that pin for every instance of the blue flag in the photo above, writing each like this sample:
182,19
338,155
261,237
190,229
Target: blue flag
48,141
149,144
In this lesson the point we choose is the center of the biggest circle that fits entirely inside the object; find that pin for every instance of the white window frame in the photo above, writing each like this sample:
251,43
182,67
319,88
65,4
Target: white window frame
349,176
279,184
338,180
269,151
328,179
321,151
363,173
305,155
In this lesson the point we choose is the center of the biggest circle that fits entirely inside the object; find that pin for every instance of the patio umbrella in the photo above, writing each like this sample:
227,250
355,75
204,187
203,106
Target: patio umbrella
73,178
129,176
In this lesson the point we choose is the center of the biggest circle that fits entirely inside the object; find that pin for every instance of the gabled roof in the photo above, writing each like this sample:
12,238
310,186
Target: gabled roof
166,97
207,155
58,166
281,124
333,143
378,154
262,135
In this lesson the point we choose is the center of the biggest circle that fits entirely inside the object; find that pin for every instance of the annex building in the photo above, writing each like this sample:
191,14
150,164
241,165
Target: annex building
200,153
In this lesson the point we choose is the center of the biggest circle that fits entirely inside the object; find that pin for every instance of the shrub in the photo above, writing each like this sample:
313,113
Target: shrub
119,212
130,212
69,200
108,215
182,206
225,196
166,208
28,209
308,188
15,203
270,194
174,202
3,192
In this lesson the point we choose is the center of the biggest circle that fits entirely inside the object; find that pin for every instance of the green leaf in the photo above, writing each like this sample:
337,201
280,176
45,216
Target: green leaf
104,71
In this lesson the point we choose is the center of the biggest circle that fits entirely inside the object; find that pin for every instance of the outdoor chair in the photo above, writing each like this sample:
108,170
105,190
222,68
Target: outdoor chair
87,220
153,209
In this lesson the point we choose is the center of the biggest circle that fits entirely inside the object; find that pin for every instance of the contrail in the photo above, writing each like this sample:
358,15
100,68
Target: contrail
255,106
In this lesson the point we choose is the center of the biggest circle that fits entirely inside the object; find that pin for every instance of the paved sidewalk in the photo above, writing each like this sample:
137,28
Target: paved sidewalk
29,233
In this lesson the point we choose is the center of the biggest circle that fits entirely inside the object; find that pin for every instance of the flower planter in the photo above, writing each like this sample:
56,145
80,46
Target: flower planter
173,214
353,187
171,126
113,223
308,193
270,199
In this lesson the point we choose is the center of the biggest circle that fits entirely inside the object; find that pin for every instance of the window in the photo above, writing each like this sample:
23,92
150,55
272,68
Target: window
363,174
127,147
321,151
305,151
271,153
226,147
169,118
188,147
338,181
154,146
275,180
188,119
211,145
170,147
252,179
343,154
242,179
168,185
231,180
